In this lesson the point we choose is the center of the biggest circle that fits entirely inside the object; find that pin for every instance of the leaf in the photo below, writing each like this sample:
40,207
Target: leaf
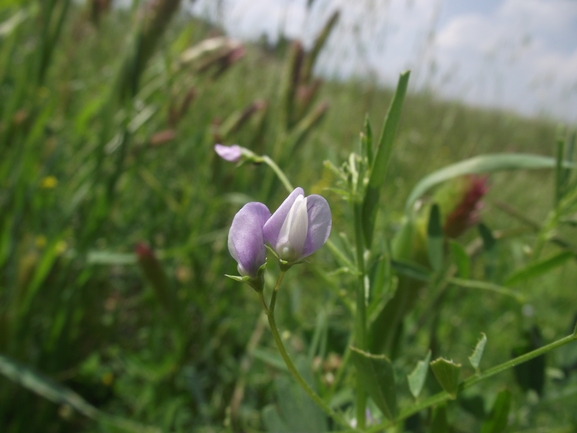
367,142
318,45
110,258
272,420
480,164
435,238
489,247
411,269
439,423
270,357
536,269
483,285
530,374
318,343
417,377
45,387
382,157
498,418
487,237
475,358
41,272
295,411
475,405
447,374
462,259
378,379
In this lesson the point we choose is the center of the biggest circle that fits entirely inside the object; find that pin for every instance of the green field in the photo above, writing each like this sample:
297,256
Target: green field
115,314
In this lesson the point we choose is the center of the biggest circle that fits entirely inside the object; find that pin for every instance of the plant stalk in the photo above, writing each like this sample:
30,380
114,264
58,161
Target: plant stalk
269,311
473,380
361,313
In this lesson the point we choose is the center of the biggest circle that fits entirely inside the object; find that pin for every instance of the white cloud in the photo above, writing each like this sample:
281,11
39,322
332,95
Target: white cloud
521,54
518,55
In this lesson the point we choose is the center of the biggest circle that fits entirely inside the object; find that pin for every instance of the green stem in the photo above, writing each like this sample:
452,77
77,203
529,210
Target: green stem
361,313
269,311
473,380
278,172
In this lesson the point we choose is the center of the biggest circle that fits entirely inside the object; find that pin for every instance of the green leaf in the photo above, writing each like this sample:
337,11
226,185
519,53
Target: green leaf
367,142
294,411
41,272
474,404
110,258
498,418
487,237
411,269
439,423
475,358
559,171
480,164
536,269
45,387
417,377
270,357
378,379
272,420
447,374
462,259
435,238
489,247
483,285
530,374
382,157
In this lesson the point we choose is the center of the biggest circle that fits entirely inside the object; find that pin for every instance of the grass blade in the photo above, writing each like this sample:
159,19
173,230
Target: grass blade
480,164
382,157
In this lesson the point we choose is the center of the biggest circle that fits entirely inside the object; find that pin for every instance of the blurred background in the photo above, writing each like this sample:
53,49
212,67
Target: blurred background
115,314
509,54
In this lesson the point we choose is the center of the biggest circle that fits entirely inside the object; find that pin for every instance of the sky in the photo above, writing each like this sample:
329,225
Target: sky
517,55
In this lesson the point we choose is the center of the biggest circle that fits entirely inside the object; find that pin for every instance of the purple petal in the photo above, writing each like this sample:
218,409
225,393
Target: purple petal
229,153
245,238
320,223
273,226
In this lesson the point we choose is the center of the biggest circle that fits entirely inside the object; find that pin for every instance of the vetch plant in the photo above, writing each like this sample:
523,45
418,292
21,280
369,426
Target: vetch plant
418,258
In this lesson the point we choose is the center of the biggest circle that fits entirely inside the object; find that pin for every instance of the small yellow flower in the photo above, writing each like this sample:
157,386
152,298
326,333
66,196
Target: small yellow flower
40,241
61,247
49,182
107,378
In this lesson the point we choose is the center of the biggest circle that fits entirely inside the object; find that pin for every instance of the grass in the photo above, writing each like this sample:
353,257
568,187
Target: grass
81,185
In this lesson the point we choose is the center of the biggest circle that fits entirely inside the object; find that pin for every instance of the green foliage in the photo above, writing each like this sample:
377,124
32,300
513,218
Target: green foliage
106,135
447,374
418,375
378,379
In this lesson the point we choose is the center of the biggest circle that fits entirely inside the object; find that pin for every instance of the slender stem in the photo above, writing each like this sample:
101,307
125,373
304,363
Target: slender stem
288,361
361,313
278,172
473,380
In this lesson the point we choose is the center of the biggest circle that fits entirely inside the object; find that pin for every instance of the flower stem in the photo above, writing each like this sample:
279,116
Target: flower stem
282,177
361,313
288,361
473,380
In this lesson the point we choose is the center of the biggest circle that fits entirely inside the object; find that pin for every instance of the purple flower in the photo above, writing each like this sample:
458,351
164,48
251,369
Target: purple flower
299,227
229,153
246,240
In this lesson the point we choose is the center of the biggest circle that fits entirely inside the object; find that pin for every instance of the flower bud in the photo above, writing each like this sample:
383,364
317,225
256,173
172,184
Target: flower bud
299,227
246,240
229,153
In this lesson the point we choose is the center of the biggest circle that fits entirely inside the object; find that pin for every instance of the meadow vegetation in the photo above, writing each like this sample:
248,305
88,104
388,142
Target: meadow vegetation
115,314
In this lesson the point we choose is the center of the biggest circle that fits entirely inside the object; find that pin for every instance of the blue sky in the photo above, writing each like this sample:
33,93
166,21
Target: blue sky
513,54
